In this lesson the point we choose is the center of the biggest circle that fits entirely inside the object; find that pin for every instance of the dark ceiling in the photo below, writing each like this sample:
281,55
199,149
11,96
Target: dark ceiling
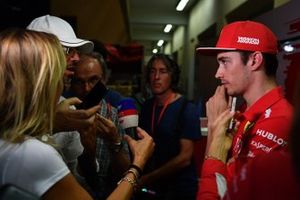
18,13
117,21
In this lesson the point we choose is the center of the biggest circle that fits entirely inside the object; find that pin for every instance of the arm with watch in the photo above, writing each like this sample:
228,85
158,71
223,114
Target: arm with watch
107,130
105,140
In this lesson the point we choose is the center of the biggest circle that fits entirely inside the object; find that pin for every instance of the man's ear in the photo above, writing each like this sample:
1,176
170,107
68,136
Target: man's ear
255,60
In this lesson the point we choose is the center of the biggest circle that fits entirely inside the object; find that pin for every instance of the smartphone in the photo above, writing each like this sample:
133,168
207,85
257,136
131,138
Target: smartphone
94,96
232,109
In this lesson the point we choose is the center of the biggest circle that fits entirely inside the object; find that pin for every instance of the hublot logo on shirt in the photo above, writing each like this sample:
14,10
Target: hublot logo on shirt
271,136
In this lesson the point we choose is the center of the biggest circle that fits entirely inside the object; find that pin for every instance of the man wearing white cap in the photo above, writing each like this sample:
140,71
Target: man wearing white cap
67,118
246,53
65,33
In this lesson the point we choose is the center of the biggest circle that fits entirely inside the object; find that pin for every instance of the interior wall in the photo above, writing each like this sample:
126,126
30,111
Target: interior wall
279,3
94,25
287,28
230,5
167,49
197,22
178,42
178,38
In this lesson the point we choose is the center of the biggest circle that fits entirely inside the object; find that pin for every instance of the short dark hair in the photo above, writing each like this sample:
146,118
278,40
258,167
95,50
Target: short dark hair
171,66
271,62
101,61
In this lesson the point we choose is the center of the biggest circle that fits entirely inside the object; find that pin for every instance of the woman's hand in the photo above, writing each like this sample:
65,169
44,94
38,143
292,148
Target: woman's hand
67,119
141,149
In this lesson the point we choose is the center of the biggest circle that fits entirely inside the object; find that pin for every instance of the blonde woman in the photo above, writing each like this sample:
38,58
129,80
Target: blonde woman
31,70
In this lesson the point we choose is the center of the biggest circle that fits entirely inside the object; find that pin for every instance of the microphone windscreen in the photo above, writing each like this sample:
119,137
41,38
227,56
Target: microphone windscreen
127,113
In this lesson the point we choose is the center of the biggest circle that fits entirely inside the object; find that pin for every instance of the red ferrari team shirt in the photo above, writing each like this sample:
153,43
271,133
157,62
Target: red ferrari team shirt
264,127
271,176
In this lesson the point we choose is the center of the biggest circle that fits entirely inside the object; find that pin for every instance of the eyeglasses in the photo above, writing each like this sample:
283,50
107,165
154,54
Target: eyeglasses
70,51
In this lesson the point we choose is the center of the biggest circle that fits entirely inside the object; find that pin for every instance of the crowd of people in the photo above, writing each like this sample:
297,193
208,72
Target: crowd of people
52,141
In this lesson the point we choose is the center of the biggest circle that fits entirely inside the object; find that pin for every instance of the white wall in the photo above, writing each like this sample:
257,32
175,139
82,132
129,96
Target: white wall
178,38
202,16
168,48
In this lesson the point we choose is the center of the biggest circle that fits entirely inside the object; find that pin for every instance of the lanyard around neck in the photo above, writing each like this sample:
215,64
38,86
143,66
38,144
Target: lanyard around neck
165,105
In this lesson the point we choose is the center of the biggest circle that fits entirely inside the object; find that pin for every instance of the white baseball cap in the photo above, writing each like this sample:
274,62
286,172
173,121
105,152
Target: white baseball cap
62,30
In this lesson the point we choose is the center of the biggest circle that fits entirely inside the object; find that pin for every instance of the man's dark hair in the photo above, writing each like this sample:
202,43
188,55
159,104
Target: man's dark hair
271,62
101,61
171,66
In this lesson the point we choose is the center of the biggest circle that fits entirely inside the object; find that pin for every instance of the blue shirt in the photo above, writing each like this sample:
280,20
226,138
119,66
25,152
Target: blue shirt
167,135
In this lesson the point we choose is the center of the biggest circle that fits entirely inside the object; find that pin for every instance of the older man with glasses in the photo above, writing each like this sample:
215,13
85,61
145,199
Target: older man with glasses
105,157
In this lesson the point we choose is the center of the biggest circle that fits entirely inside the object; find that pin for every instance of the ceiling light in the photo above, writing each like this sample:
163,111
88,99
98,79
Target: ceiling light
154,51
288,47
168,27
182,3
160,43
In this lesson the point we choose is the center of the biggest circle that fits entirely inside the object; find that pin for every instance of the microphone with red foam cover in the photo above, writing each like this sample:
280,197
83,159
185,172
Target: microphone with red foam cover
128,116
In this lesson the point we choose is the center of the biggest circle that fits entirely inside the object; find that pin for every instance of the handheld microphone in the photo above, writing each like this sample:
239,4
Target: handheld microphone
128,116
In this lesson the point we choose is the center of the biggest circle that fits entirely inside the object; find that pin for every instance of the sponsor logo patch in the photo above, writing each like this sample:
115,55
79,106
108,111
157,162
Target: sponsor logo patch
268,113
248,40
271,136
261,146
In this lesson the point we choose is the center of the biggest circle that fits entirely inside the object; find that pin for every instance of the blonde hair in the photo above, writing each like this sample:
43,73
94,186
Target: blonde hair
31,69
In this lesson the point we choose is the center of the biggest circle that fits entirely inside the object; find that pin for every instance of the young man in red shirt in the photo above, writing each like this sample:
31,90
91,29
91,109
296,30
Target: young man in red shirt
246,53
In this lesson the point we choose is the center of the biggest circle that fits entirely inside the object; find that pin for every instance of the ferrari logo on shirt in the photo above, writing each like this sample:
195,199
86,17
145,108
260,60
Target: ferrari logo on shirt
268,113
247,126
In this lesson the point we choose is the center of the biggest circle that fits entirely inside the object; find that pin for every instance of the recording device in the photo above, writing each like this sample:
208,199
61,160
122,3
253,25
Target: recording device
232,109
128,116
94,96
